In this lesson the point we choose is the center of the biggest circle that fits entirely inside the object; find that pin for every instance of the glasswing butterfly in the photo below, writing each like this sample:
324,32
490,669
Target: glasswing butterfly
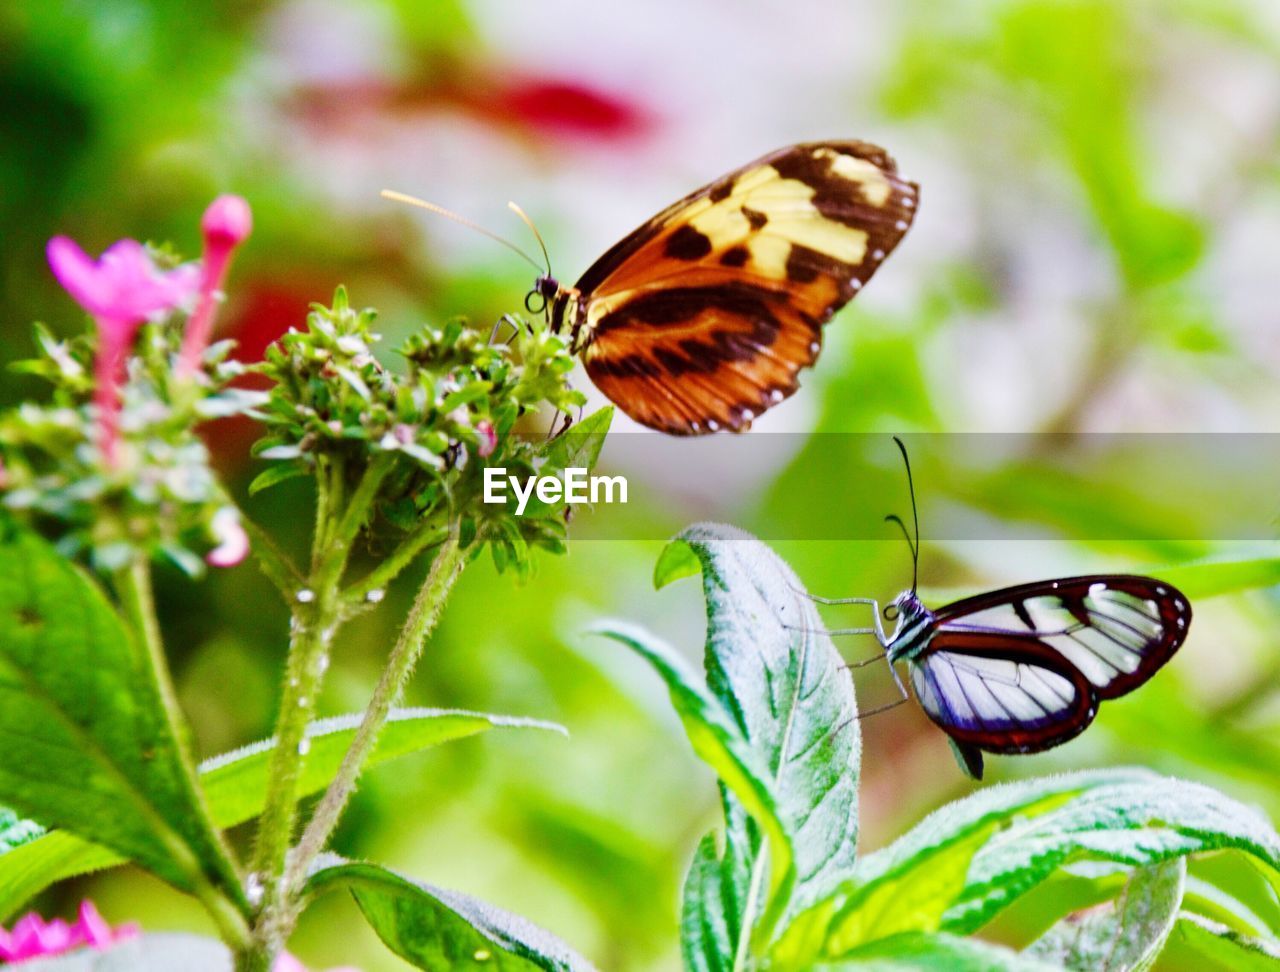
1023,669
702,318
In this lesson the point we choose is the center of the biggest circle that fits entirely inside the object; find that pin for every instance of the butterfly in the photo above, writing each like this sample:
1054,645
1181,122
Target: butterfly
702,319
1023,669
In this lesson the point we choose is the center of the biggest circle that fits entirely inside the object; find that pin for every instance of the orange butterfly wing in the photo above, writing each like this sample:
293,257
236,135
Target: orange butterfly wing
703,318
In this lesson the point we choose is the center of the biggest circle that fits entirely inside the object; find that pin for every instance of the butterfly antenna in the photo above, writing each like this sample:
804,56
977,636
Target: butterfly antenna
449,214
894,518
915,516
536,235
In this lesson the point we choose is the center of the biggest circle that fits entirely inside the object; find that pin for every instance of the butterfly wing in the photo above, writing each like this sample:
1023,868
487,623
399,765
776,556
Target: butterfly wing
1022,669
703,317
1002,693
1116,629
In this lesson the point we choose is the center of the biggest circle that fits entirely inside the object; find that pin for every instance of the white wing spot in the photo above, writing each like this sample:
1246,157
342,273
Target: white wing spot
747,415
713,425
900,225
814,347
775,395
855,284
908,202
1162,591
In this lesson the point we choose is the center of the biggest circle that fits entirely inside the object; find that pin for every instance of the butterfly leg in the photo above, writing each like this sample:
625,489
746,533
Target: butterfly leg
839,600
832,632
902,691
508,320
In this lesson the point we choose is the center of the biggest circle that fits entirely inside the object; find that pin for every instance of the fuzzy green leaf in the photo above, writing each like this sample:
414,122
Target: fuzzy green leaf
87,746
776,719
440,930
1121,935
705,940
920,952
1226,950
909,885
970,859
718,741
786,687
235,787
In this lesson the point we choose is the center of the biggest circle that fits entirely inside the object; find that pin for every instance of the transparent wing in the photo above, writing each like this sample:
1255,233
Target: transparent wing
1117,630
1002,693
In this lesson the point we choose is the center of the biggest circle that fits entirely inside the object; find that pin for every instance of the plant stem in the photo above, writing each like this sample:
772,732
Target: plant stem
133,585
426,535
317,611
422,619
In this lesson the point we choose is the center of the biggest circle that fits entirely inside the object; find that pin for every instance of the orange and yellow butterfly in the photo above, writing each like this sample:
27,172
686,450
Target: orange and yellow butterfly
702,319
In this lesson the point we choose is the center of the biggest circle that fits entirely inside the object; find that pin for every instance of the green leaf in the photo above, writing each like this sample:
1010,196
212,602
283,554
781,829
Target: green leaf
909,885
151,953
580,446
676,561
786,686
718,742
577,448
440,930
705,940
87,746
1224,949
970,859
1124,934
1211,578
777,721
27,870
276,474
235,785
920,952
236,782
1207,900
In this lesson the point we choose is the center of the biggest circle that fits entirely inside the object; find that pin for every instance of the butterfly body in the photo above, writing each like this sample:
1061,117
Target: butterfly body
1023,669
702,318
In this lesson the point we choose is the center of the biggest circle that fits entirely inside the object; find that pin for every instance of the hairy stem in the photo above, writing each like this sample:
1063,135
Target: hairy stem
427,535
422,619
317,611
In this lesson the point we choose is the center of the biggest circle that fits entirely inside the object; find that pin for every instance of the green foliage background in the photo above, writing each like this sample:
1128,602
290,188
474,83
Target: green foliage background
1101,197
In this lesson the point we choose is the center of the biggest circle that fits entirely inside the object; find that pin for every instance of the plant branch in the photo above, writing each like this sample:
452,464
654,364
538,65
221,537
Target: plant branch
316,614
426,535
422,619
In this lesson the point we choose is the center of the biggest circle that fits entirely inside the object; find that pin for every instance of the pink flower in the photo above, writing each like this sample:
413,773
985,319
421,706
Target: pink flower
123,287
287,963
226,224
120,290
33,937
233,542
488,438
